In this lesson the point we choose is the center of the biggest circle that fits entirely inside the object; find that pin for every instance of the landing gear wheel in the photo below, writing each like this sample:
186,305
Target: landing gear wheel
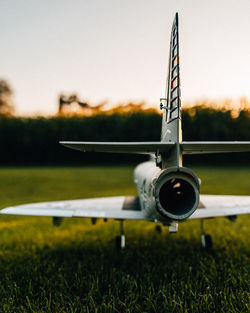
158,229
206,241
120,242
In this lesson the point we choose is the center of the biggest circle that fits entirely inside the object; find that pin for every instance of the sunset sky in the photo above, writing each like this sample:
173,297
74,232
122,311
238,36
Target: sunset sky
118,50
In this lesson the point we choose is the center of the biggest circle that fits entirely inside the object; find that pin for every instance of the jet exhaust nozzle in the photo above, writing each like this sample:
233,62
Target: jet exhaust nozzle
177,195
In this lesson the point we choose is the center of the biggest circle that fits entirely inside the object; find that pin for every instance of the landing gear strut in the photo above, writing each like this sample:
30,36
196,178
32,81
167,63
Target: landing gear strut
206,240
120,240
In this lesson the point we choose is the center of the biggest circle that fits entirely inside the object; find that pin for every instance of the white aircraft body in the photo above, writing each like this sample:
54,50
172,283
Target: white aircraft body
168,193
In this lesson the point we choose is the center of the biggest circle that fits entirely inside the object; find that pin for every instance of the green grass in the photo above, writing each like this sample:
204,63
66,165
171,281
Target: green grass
74,268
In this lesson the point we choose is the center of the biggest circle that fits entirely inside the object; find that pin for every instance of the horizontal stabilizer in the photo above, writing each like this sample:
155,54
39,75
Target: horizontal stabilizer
147,147
202,147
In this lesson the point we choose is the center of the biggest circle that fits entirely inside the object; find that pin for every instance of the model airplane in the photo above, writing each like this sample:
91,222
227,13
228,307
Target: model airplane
168,193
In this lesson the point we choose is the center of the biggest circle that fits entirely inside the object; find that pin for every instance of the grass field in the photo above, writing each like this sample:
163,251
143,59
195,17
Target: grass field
75,268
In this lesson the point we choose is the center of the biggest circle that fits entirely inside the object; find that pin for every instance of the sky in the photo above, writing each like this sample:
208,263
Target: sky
117,51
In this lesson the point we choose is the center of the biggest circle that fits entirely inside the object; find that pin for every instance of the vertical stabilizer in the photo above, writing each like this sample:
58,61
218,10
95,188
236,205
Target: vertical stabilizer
171,104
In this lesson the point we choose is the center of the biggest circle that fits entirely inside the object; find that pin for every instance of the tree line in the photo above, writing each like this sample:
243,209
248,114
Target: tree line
35,141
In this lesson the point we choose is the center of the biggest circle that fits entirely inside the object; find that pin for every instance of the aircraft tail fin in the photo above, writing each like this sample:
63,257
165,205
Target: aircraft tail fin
170,149
171,104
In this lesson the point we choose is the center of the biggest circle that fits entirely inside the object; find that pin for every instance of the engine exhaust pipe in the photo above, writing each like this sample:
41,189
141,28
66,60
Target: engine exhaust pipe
177,194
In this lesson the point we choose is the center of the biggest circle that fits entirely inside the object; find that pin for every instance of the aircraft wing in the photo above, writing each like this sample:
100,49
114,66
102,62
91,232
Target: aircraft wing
128,207
108,207
215,206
